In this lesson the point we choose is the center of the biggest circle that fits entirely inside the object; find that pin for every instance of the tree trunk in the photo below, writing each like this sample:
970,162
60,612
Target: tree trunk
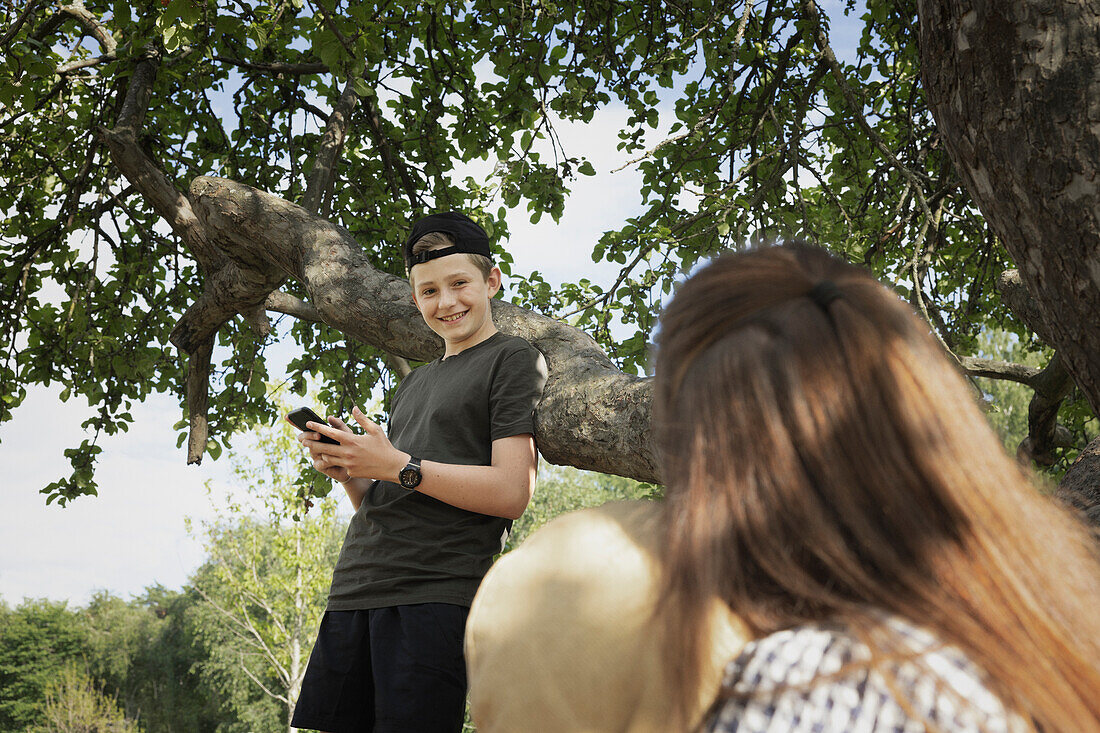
1081,486
294,670
295,687
1015,90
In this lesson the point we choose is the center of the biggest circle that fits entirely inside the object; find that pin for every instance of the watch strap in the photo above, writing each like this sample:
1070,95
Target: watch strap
410,475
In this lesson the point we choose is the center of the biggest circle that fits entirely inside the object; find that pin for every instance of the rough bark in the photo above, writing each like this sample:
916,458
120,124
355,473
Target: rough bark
319,186
1080,488
1015,91
976,366
198,400
1044,435
591,416
1022,304
231,286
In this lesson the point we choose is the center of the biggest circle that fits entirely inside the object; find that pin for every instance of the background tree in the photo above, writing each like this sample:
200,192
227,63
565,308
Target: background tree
141,657
76,704
147,654
562,489
38,641
265,583
359,112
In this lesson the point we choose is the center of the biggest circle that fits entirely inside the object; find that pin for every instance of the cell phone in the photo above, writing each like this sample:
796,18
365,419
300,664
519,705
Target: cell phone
302,415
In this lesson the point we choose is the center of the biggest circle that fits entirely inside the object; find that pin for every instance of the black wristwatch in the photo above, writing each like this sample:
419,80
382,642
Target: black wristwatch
410,475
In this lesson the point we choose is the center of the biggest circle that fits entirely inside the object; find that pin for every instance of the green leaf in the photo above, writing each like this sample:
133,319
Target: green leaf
362,88
171,37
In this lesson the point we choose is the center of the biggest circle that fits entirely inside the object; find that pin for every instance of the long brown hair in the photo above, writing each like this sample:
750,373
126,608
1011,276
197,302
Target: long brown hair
822,457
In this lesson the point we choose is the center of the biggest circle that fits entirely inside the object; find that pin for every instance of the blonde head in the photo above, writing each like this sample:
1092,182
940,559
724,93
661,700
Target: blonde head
442,240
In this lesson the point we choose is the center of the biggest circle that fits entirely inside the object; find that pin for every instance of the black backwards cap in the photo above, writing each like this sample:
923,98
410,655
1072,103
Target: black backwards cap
467,235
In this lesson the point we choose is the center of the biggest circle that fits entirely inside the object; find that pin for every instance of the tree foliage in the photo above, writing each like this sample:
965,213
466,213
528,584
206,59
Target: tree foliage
38,639
562,489
372,113
137,658
146,653
76,704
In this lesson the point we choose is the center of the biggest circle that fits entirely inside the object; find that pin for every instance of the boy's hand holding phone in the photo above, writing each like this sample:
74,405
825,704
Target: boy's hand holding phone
368,455
317,442
301,418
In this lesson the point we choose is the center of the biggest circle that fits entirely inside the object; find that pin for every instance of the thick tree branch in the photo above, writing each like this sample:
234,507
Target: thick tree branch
229,287
318,194
1080,488
993,369
276,68
319,185
1051,385
397,365
281,302
285,303
1022,303
198,399
234,288
139,92
256,317
139,169
1017,119
91,26
591,416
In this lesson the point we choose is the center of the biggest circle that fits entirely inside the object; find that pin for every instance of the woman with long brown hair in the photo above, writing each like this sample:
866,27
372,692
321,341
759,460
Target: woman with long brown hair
830,476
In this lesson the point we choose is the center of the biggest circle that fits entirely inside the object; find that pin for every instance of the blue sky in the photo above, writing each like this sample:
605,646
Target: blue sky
132,535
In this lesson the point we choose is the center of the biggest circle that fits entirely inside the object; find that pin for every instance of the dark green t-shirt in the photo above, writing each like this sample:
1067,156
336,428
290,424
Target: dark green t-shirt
404,547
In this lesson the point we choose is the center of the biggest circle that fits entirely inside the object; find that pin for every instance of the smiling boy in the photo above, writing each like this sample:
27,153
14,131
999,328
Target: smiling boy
434,501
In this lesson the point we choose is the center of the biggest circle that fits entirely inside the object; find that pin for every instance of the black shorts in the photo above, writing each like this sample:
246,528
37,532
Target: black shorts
386,670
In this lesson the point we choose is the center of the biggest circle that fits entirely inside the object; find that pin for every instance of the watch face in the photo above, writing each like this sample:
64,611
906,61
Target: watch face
410,477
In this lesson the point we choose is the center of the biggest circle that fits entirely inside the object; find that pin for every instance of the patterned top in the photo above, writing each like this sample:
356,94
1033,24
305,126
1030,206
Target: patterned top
816,678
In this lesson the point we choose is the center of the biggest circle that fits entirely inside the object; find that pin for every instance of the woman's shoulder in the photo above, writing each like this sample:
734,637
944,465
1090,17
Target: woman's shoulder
891,676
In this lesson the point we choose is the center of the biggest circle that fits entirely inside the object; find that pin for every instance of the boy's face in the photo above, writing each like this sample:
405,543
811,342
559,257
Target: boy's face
453,298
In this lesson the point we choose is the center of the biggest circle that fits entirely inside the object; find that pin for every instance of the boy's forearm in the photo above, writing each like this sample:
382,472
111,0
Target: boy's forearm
491,490
356,489
502,489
